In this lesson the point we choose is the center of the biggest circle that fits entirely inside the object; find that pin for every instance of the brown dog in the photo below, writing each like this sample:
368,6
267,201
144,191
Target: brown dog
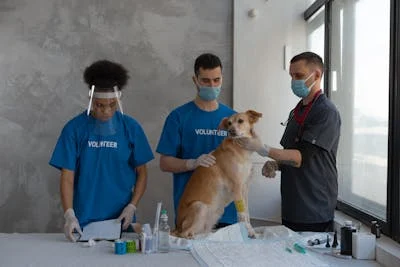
211,189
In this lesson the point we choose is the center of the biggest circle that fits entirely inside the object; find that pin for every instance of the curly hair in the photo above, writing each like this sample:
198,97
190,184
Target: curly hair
105,75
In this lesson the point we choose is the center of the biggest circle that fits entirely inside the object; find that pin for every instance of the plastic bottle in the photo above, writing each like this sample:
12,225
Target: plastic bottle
146,239
346,233
163,233
373,227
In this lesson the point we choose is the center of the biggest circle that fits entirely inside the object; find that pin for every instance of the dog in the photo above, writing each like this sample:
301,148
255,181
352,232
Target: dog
210,190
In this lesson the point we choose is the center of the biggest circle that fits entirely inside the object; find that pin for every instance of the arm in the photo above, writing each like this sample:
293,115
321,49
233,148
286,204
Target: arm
296,157
67,188
290,157
176,165
140,187
141,184
67,192
172,164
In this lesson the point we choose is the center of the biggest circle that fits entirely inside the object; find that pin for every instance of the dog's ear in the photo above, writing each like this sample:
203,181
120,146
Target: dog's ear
223,125
253,115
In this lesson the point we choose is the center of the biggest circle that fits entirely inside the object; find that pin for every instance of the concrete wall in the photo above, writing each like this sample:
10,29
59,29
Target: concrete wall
44,47
262,81
46,44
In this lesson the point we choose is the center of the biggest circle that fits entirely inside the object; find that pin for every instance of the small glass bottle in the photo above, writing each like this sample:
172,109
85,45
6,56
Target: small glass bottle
346,233
163,233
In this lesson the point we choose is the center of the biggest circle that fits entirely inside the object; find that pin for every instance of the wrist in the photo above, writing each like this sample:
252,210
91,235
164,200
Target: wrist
132,206
264,151
190,164
69,213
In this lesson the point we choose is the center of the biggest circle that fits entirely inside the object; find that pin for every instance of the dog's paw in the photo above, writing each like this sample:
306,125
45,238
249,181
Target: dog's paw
269,169
251,233
187,235
175,233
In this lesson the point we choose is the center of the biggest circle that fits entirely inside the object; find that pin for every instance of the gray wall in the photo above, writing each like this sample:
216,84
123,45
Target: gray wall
44,47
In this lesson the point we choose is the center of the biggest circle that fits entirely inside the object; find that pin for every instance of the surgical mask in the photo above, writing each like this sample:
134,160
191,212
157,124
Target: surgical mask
300,88
209,93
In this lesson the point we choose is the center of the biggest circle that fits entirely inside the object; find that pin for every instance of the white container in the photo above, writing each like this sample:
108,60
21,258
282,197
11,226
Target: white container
363,246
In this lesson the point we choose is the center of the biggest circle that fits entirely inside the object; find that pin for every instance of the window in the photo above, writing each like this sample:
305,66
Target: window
360,63
316,34
362,53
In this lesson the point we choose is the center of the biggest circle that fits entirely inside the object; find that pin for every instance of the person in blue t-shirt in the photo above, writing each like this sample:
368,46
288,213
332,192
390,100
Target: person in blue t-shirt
102,154
191,132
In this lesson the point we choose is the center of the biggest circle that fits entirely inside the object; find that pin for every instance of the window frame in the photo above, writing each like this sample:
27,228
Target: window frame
390,227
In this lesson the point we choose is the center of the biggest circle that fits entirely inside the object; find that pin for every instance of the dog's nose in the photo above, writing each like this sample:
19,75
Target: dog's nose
232,132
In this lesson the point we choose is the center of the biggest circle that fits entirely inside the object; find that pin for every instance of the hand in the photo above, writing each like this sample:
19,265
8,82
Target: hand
253,144
269,169
127,215
71,224
205,160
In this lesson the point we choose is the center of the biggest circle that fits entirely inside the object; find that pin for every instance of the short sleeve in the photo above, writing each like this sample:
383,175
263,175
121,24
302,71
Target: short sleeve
141,147
324,129
65,152
170,139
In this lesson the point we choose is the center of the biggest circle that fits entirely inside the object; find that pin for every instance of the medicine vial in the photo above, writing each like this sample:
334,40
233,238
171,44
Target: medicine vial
346,233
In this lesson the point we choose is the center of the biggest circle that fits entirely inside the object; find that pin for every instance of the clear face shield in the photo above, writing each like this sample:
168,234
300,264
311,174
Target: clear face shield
104,95
104,121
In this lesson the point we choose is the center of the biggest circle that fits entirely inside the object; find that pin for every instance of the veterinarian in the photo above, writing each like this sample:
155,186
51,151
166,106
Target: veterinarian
309,186
102,154
191,132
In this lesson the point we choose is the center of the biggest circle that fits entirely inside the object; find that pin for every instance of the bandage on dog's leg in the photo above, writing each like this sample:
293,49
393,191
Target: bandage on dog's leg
239,204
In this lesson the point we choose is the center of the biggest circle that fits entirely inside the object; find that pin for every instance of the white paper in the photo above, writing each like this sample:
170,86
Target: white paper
230,247
231,254
235,232
108,230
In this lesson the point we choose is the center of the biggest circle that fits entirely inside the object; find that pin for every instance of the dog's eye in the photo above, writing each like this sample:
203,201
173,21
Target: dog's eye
229,123
240,121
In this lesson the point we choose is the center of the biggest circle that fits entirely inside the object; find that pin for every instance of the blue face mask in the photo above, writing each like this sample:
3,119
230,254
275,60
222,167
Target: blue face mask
300,88
208,93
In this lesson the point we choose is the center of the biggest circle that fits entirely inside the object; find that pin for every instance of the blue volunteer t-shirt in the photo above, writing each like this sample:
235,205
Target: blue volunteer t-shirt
188,133
104,164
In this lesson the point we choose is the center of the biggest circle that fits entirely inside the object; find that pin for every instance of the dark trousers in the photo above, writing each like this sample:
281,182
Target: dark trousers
310,227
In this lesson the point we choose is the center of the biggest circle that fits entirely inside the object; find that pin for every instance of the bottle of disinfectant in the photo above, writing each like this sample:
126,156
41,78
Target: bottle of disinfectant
163,233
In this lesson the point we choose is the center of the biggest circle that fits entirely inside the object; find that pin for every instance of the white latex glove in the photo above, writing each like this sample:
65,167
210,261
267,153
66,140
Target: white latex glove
205,160
253,144
127,215
71,224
